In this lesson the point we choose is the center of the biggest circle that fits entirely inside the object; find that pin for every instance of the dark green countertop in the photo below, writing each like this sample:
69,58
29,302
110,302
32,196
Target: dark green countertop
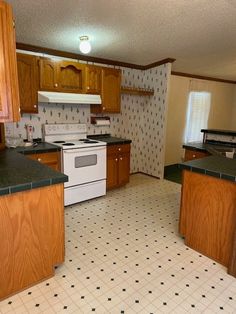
214,149
19,173
215,165
110,140
39,148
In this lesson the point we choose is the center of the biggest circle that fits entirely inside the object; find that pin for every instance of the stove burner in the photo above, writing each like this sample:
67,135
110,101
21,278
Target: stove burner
59,142
68,144
86,141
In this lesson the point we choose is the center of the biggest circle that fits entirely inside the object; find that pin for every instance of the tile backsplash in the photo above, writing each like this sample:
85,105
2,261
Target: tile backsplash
142,119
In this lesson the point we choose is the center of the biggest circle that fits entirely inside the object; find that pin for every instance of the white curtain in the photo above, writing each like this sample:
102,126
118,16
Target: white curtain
199,102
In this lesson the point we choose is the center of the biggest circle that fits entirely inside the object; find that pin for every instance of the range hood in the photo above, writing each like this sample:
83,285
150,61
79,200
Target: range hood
68,98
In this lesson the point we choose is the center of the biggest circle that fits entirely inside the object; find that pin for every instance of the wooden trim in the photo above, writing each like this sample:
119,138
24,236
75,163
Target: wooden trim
149,175
64,54
207,78
136,91
157,63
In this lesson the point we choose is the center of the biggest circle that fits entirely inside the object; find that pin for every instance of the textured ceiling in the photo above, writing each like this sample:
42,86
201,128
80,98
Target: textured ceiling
199,34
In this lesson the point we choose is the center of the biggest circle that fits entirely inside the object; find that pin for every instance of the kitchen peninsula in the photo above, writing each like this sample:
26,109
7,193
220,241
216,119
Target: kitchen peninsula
31,220
208,207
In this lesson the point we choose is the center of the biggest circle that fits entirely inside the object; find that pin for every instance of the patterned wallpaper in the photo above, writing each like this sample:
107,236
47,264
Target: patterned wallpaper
142,119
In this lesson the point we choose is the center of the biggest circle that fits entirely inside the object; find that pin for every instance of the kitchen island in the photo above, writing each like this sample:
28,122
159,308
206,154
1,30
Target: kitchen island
31,222
208,208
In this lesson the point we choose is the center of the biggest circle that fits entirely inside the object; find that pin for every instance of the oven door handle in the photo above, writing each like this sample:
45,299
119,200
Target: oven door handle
88,149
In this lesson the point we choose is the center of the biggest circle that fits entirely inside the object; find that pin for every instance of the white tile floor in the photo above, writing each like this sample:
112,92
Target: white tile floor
124,255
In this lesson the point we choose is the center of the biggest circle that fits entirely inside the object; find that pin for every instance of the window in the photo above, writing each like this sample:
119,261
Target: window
197,115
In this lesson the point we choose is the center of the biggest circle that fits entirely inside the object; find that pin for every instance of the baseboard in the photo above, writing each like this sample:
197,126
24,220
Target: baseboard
146,174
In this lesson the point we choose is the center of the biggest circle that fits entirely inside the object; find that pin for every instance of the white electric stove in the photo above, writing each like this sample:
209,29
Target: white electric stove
82,159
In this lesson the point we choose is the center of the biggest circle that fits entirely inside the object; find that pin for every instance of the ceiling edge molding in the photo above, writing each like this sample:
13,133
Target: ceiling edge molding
207,78
64,54
157,63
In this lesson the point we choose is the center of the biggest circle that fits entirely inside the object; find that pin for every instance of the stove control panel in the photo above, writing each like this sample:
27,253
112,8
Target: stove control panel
64,128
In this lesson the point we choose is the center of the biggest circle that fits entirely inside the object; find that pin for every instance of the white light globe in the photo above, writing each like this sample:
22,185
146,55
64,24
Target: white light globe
85,46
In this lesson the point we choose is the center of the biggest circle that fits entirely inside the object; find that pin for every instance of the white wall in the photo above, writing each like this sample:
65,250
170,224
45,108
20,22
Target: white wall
233,120
142,119
220,117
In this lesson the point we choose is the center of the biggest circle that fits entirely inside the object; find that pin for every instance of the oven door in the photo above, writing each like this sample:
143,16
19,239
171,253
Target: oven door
84,165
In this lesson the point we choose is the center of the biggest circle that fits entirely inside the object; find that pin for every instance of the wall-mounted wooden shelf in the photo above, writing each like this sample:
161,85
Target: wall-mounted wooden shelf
137,91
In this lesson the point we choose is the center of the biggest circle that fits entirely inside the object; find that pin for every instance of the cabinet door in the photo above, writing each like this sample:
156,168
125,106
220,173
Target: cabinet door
48,74
92,79
9,90
124,168
111,80
28,82
70,77
112,170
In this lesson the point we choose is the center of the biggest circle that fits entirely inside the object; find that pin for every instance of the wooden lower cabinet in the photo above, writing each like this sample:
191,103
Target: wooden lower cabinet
118,165
51,159
191,154
32,237
208,217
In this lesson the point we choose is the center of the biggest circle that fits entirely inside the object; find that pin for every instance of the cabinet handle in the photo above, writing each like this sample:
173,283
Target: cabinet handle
194,156
103,108
88,87
119,149
121,158
56,85
39,159
35,106
116,159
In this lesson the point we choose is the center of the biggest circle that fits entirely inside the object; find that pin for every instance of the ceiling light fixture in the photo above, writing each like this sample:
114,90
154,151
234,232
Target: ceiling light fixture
84,46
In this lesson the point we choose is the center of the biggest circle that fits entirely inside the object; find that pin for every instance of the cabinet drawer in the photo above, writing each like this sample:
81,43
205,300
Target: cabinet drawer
116,149
51,159
191,154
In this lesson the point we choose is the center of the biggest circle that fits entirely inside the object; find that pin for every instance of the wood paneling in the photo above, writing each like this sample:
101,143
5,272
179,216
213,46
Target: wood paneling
9,90
208,215
51,159
71,55
191,154
32,237
28,76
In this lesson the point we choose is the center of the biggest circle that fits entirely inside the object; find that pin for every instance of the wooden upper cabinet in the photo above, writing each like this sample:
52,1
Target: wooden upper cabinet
9,90
28,77
70,76
93,79
111,86
48,70
61,76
